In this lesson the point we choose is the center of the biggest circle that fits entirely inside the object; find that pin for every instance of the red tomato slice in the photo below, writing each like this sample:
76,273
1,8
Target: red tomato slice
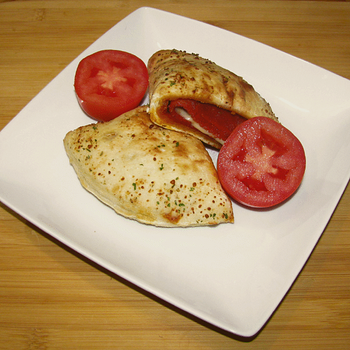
109,83
261,164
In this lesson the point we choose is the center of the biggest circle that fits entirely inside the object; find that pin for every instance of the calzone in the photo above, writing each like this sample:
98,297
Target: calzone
147,173
191,94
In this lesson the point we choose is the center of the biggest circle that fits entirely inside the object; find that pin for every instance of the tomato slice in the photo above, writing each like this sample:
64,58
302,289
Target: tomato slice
109,83
261,164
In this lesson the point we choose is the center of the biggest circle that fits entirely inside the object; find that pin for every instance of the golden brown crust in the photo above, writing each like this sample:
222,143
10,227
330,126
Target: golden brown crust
147,173
177,74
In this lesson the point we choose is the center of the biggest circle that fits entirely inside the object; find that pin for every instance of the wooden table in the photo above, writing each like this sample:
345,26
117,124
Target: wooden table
52,298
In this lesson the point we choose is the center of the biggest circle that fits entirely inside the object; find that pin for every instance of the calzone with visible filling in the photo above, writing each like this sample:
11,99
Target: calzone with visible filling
147,173
191,94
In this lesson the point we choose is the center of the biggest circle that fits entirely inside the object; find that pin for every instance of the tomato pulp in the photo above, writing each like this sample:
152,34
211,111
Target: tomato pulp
262,163
109,83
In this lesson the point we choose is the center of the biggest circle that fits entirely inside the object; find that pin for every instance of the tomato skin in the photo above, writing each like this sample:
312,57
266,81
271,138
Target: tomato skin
109,83
261,164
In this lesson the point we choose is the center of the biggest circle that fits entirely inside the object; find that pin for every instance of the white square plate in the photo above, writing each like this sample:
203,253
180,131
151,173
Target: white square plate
234,275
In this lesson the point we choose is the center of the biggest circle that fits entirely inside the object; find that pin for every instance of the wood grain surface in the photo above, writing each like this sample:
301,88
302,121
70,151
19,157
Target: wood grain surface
53,298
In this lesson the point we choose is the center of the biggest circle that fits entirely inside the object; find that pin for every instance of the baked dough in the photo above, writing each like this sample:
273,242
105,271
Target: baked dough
177,74
147,173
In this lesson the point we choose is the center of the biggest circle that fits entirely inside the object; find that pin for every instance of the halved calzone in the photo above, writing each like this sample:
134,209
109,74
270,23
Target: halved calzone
191,94
148,173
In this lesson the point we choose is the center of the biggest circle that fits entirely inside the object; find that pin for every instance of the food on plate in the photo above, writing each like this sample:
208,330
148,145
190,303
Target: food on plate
150,164
109,83
261,164
147,173
194,95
